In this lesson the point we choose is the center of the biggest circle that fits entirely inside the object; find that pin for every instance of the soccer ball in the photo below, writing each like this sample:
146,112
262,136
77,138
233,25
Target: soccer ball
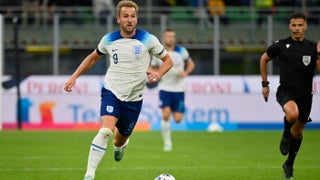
165,176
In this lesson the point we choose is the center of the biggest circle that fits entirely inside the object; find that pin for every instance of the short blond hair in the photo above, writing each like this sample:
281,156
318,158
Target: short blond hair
126,3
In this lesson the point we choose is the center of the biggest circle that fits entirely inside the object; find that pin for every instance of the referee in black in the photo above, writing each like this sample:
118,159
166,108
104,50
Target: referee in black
298,60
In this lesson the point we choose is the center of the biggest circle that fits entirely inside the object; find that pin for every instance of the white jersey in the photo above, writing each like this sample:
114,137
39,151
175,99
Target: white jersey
171,81
129,61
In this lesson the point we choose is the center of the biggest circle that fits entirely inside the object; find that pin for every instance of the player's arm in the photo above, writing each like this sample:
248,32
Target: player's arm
264,75
153,68
165,66
189,68
154,65
85,65
167,63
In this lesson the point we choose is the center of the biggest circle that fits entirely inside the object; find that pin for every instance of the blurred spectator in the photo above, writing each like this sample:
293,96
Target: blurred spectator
199,11
217,7
52,7
171,3
31,10
102,9
265,7
172,8
68,10
10,8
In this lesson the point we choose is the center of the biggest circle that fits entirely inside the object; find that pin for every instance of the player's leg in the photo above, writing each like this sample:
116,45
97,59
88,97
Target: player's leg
129,115
120,142
99,145
109,111
289,107
291,111
178,106
296,139
297,134
166,129
304,105
177,116
166,100
177,109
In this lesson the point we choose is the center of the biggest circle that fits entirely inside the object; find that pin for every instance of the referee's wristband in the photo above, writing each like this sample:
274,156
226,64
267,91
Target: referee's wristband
265,83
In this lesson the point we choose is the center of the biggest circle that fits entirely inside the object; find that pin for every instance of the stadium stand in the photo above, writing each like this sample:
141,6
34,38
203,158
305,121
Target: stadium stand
241,35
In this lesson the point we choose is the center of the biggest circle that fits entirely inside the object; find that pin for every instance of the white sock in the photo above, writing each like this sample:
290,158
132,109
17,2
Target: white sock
166,132
97,150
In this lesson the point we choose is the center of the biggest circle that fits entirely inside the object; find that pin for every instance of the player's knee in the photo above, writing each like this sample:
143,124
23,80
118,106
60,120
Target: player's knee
292,116
166,119
106,132
177,117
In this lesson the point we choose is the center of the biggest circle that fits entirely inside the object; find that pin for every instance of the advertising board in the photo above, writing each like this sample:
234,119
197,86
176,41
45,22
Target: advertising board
213,103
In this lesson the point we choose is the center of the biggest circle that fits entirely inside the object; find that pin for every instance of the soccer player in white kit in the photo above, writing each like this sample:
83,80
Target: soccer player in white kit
130,52
171,86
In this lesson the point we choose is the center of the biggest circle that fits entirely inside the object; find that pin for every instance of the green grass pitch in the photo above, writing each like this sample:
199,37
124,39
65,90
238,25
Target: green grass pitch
235,155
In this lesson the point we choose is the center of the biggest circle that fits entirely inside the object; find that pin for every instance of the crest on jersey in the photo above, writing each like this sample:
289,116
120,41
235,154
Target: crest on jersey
109,109
306,60
137,50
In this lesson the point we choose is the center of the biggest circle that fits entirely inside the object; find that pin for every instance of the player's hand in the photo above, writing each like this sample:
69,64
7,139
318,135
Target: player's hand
318,47
68,85
265,93
182,74
153,76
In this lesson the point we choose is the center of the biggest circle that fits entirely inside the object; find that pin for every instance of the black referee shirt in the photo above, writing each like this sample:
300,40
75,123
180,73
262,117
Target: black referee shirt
297,61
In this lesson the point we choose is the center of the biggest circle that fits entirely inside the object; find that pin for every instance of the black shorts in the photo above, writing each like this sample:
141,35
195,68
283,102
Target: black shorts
303,101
